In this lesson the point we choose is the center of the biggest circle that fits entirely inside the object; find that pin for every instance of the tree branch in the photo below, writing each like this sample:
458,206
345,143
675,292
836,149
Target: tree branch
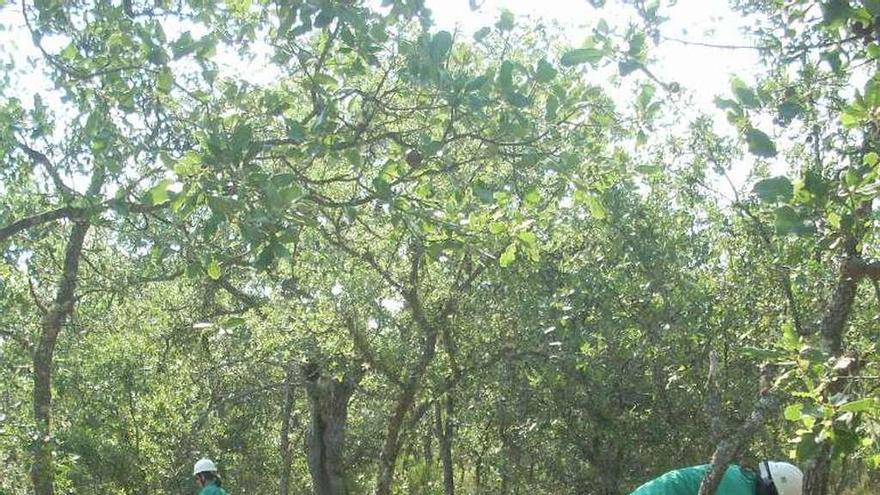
72,213
858,268
730,447
42,159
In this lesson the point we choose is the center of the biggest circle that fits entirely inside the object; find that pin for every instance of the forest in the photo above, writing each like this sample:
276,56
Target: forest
413,260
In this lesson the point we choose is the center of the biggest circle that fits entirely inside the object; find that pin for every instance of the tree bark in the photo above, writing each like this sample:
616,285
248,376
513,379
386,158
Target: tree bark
832,326
730,447
391,447
444,431
42,470
328,398
817,471
284,444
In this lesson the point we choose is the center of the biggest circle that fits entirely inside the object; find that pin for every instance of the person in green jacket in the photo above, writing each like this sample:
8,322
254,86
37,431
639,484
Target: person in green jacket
206,475
772,478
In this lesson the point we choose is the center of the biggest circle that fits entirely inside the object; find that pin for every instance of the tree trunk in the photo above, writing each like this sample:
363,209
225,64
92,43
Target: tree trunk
730,447
42,470
444,439
328,399
391,448
833,323
284,444
817,472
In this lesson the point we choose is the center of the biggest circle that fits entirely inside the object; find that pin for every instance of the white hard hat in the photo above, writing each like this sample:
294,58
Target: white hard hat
208,465
788,478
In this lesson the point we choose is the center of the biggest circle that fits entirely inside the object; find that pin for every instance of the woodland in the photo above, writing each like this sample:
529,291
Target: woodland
423,261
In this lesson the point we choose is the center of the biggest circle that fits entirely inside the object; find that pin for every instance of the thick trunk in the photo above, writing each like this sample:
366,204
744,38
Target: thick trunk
284,444
329,399
42,470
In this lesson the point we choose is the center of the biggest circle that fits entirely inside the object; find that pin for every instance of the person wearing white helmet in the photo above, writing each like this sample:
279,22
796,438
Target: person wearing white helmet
206,475
771,478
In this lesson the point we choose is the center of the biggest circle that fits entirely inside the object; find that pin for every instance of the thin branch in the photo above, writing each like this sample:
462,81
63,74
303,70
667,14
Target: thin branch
720,46
784,273
42,159
35,297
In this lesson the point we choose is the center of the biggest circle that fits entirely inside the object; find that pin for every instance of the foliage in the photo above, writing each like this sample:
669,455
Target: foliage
413,260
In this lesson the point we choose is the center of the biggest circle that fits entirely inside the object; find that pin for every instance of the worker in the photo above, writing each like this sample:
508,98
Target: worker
772,478
206,475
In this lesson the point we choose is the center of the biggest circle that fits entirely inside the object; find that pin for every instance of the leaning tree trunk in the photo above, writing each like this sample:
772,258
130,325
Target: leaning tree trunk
42,470
328,399
391,447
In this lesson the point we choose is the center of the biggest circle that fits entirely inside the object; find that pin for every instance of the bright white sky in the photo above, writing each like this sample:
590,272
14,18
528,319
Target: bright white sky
703,73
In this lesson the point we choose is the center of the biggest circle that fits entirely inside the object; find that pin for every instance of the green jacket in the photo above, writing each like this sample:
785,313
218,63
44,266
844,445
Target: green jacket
736,481
212,489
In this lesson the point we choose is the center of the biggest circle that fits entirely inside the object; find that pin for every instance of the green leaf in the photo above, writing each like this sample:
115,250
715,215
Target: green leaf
551,107
760,144
295,130
873,6
508,256
793,412
627,67
532,197
164,80
861,405
872,94
788,221
440,45
581,56
871,158
497,228
159,192
774,189
850,119
483,193
528,238
183,46
637,46
835,12
325,17
214,269
517,99
505,77
69,53
544,72
482,33
233,322
789,110
476,83
790,340
190,164
506,21
744,94
241,138
728,104
597,208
